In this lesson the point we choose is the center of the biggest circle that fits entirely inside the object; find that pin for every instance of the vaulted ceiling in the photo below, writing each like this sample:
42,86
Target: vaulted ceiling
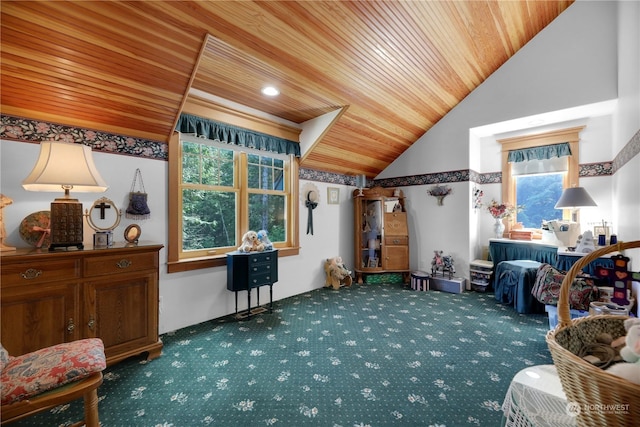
394,67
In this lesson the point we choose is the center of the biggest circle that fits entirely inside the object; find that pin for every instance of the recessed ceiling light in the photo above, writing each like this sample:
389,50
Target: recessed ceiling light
270,91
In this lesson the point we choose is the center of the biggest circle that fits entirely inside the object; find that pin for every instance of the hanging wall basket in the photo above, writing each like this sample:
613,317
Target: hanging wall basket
439,192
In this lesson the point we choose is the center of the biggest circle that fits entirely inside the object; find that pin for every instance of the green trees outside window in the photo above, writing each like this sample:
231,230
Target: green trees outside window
538,195
225,192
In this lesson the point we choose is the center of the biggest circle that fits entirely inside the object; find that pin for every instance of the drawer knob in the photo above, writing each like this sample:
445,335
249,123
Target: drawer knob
31,273
70,326
123,263
396,241
91,323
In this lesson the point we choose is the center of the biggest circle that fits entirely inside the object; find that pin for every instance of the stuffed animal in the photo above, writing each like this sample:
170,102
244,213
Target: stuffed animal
336,273
263,237
250,242
630,368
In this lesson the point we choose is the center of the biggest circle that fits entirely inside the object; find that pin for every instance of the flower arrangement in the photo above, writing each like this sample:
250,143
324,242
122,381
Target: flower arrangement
477,198
439,190
501,210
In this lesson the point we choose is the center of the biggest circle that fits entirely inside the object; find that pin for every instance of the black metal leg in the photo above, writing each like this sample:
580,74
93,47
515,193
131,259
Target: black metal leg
249,303
270,297
236,292
258,297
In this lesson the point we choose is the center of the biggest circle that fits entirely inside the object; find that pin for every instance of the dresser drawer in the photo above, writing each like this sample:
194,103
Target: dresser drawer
116,264
259,279
259,267
261,258
35,272
396,240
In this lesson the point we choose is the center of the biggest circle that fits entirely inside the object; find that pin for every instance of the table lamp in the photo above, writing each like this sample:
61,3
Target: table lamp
65,166
574,198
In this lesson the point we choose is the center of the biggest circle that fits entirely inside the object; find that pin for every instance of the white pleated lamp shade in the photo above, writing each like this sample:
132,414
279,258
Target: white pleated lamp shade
62,165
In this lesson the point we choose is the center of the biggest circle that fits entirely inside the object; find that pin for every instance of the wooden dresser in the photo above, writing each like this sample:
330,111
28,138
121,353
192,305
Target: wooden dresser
52,297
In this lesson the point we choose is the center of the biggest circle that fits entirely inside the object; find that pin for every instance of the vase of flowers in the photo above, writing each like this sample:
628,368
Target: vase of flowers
500,211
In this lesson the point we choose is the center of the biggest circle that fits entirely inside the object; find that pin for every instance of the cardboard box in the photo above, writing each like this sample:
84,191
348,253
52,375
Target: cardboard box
455,285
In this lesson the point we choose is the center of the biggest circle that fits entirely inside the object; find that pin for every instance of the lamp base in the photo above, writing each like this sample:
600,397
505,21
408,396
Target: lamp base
66,224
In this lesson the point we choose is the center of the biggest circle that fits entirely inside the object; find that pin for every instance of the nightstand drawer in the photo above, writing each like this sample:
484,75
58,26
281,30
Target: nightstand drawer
124,263
29,273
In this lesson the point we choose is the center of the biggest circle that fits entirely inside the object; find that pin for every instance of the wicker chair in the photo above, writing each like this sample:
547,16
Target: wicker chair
52,376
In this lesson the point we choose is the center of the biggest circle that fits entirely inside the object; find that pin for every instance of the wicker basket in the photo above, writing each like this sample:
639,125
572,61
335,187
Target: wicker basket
600,399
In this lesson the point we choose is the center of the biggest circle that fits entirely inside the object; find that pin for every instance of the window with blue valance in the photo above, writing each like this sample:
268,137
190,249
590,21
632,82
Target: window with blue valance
223,132
539,153
540,160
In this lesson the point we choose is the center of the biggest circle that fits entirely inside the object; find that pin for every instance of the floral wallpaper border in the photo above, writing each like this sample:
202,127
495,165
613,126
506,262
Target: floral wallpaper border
29,130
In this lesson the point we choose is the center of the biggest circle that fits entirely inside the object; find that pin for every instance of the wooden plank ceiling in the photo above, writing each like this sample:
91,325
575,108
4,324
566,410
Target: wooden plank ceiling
397,66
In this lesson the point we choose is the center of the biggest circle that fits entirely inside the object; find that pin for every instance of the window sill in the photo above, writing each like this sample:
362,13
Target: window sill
216,261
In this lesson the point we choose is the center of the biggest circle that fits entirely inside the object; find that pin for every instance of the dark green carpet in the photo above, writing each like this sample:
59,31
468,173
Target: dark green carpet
369,355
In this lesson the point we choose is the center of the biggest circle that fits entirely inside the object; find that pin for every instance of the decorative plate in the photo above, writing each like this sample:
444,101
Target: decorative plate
32,226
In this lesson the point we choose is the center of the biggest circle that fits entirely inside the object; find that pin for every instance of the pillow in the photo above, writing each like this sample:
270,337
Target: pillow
4,357
36,372
546,288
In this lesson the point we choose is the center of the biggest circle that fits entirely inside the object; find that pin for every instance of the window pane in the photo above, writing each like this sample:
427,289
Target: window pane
265,173
267,212
538,194
190,163
207,165
208,219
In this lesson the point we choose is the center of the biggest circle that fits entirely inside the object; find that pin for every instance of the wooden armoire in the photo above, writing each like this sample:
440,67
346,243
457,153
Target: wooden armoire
381,232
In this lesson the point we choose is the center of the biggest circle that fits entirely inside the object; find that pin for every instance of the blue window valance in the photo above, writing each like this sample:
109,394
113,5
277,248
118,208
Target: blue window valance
230,134
539,153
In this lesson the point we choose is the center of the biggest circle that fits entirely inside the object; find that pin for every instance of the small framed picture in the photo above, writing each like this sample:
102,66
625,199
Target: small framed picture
333,196
373,263
132,233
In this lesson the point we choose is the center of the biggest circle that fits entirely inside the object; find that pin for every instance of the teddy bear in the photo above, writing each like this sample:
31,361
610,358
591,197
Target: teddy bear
336,273
630,368
263,237
250,242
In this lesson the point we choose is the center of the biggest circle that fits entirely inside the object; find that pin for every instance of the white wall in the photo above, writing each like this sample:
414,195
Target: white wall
196,296
626,185
450,221
570,63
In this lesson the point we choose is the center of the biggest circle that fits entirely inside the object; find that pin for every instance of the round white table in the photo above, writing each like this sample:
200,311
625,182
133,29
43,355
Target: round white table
535,399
